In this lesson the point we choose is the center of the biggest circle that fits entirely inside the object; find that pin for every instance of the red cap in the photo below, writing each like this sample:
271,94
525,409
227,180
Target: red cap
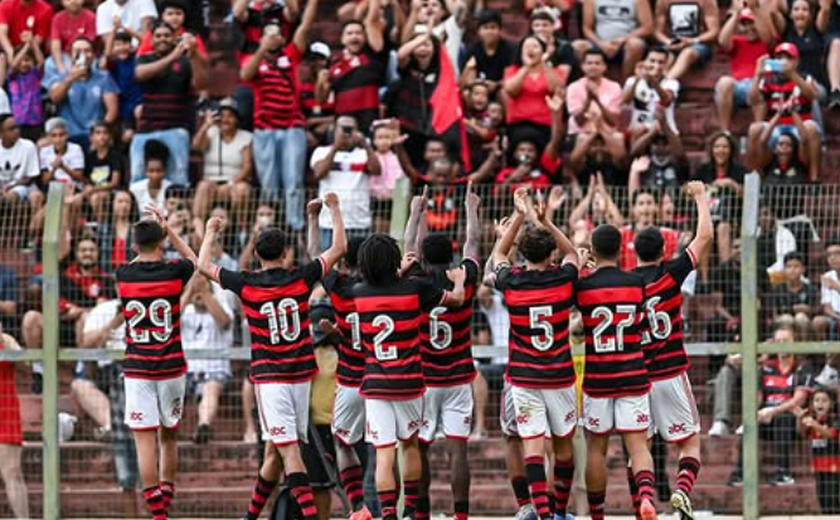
787,48
746,14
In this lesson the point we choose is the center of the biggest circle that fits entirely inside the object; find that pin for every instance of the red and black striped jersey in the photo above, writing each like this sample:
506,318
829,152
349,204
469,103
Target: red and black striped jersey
355,81
825,452
389,321
151,304
445,334
612,303
663,347
277,104
351,357
539,304
276,303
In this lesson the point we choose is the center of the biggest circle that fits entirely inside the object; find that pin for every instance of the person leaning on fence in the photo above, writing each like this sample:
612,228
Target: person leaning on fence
11,437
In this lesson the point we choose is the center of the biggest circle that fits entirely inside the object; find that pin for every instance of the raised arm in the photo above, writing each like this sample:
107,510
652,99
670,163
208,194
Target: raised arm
205,254
558,123
457,296
505,243
313,233
373,26
146,71
174,238
703,238
418,208
564,245
471,245
301,38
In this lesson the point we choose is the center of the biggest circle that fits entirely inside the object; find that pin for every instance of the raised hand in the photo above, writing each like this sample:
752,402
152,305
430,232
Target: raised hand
695,189
419,202
331,201
457,276
472,201
501,226
521,199
313,207
214,225
556,197
156,213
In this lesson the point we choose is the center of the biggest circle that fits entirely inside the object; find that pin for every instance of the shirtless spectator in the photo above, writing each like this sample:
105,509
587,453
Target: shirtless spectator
619,28
689,29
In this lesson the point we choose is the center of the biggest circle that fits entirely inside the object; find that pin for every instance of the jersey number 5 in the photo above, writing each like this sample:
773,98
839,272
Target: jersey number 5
160,314
537,320
279,324
384,352
611,344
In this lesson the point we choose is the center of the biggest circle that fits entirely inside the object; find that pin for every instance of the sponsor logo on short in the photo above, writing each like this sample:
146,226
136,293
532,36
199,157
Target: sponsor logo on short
676,428
642,418
276,431
136,416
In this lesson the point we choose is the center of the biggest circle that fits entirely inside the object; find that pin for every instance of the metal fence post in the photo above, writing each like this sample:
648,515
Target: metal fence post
749,344
401,202
52,231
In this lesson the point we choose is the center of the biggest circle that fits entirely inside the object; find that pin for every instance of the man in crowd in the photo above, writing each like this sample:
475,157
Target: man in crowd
619,29
689,30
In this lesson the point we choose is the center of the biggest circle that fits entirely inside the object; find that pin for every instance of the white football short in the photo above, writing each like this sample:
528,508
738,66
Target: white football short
624,414
508,415
284,411
673,409
449,408
348,425
540,411
150,403
390,421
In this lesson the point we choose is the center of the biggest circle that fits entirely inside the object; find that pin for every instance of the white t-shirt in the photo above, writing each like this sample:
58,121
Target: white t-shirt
5,107
19,162
98,317
499,320
140,190
645,100
131,13
349,180
830,296
224,165
73,158
199,330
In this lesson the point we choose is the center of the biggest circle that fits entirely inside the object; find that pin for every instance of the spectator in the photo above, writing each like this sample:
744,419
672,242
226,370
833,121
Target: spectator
425,99
343,168
724,177
433,150
803,33
26,71
788,162
756,35
644,213
83,284
62,160
482,130
168,76
355,76
595,208
385,135
535,166
207,322
826,324
649,90
19,171
104,169
820,426
619,29
828,24
9,318
114,233
449,31
725,382
319,113
689,30
11,437
725,292
121,64
69,24
134,17
560,51
600,153
785,386
558,9
173,13
23,21
89,390
152,189
527,83
787,99
660,161
594,98
280,136
228,163
793,302
490,55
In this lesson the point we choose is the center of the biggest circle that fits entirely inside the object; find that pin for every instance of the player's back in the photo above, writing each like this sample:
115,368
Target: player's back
663,346
351,357
539,303
151,303
611,302
276,303
389,321
445,334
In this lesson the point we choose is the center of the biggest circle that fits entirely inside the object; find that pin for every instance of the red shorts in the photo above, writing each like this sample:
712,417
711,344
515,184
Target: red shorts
10,429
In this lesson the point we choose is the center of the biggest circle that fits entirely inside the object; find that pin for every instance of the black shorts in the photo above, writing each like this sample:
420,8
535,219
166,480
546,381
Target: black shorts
319,477
67,333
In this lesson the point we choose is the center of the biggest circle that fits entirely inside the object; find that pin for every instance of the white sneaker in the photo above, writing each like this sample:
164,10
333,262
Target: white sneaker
740,430
719,429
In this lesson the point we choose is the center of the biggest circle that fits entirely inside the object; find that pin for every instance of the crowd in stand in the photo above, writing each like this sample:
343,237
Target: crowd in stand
113,100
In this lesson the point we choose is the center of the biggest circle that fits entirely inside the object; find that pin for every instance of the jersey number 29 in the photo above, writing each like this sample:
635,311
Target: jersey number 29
159,313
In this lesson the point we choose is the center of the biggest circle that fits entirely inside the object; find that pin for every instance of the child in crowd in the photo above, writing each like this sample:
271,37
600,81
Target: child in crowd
819,425
121,66
386,134
25,74
481,132
104,169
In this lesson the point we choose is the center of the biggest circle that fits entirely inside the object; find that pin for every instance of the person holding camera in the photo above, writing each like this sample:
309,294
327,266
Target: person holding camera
83,95
786,98
228,163
343,168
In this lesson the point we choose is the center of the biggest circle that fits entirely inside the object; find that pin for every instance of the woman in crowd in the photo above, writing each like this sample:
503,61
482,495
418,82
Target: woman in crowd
114,232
